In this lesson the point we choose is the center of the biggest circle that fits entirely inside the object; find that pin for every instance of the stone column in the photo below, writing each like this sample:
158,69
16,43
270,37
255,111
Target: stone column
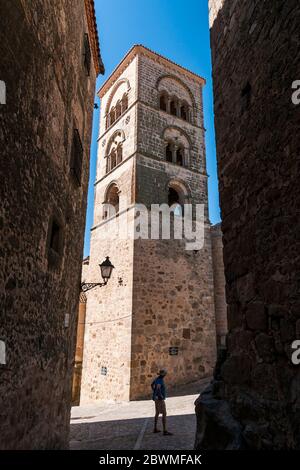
168,105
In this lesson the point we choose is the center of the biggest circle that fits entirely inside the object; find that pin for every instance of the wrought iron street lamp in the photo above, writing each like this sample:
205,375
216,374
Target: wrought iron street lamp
106,269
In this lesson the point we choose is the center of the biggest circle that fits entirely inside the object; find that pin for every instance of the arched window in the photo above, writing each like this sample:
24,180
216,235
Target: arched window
115,150
163,102
173,107
119,153
169,152
107,124
180,156
184,112
113,159
111,205
112,115
118,110
175,201
124,102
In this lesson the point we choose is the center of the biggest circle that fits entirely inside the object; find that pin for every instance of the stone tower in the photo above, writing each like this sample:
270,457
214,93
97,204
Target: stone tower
158,308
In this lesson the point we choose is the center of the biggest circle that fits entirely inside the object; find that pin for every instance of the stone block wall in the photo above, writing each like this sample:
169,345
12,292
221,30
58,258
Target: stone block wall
255,50
219,284
107,341
48,95
173,306
165,298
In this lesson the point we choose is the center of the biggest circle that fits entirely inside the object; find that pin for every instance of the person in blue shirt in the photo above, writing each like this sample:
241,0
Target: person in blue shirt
159,396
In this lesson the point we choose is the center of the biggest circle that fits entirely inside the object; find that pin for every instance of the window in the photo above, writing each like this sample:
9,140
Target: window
246,97
103,370
117,111
177,107
169,153
179,156
54,243
173,197
119,153
163,102
175,150
115,150
87,54
124,102
176,201
184,113
76,157
113,159
173,107
112,116
54,237
111,205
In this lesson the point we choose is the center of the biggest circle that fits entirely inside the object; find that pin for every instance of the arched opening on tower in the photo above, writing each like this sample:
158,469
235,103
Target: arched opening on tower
111,206
118,110
179,156
184,112
163,102
175,201
119,154
124,102
173,108
169,153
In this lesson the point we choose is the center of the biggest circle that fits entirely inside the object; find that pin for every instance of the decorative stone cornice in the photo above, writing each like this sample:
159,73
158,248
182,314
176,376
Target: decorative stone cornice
140,49
93,36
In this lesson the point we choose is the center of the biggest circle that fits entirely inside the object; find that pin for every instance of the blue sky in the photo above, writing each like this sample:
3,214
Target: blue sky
177,29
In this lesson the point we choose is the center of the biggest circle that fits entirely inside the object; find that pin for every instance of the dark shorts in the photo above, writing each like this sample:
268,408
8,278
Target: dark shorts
160,407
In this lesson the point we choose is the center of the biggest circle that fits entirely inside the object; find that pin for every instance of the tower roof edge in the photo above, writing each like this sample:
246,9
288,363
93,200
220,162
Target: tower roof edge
140,49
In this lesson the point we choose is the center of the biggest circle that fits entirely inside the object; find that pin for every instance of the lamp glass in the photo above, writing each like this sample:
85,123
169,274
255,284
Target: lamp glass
106,269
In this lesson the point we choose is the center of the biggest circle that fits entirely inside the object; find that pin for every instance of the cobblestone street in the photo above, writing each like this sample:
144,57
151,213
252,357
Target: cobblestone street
129,425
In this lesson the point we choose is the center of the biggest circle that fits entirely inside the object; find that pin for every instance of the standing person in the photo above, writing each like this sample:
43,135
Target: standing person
159,396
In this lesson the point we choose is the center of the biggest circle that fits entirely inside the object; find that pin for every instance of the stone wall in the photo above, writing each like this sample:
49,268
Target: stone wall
219,284
254,401
165,295
42,214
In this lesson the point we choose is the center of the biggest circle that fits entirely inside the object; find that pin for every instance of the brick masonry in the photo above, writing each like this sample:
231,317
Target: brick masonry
254,402
48,95
160,295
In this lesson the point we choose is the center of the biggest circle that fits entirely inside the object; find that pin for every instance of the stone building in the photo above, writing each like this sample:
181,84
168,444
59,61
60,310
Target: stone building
158,308
254,401
49,61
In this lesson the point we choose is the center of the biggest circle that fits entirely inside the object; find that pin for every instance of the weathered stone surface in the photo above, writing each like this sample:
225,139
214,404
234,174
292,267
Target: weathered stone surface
48,94
166,298
255,46
216,428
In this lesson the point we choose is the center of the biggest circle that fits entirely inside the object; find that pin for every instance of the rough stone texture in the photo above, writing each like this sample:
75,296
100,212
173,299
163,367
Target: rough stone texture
219,284
48,94
160,295
255,49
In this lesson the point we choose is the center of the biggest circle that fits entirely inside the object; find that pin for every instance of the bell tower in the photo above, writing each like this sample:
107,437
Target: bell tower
158,308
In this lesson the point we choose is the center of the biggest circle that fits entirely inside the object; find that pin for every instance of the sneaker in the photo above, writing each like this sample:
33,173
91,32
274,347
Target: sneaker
167,433
156,430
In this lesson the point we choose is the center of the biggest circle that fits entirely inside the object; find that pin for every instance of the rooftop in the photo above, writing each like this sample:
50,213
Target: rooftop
93,36
139,48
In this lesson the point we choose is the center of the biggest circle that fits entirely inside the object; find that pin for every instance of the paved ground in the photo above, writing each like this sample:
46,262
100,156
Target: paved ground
129,425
